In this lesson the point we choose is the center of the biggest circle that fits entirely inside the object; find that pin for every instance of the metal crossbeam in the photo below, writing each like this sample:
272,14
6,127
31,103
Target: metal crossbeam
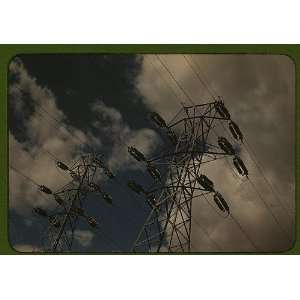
168,226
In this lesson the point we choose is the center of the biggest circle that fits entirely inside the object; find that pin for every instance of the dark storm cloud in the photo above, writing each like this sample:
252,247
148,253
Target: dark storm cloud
109,97
32,132
78,80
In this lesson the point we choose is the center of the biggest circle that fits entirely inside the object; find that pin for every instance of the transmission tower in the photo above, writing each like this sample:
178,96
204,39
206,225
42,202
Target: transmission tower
70,199
176,181
190,145
191,140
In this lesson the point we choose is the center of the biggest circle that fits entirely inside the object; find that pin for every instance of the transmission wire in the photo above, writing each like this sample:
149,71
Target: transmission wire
269,209
175,80
204,79
23,175
165,81
197,75
252,156
60,123
179,84
251,152
244,231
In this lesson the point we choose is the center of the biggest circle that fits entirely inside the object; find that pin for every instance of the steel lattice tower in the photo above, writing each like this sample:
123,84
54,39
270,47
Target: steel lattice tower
188,145
168,227
70,199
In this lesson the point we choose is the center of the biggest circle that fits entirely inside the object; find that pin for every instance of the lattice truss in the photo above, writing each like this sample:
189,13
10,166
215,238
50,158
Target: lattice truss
191,144
70,200
176,175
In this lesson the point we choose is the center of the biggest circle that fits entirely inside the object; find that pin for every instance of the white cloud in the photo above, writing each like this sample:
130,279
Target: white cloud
26,248
28,155
84,237
259,93
120,135
157,94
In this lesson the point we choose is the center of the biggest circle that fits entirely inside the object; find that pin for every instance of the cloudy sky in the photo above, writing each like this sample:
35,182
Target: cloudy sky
104,101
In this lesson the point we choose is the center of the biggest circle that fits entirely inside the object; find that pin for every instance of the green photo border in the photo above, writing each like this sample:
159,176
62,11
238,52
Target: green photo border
7,52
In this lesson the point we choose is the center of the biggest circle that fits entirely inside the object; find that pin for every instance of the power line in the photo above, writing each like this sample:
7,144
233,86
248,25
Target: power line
251,152
249,179
43,150
35,183
269,209
186,170
192,102
23,175
208,235
205,80
238,224
61,124
175,80
49,154
244,231
165,81
260,170
55,159
197,75
73,136
251,155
